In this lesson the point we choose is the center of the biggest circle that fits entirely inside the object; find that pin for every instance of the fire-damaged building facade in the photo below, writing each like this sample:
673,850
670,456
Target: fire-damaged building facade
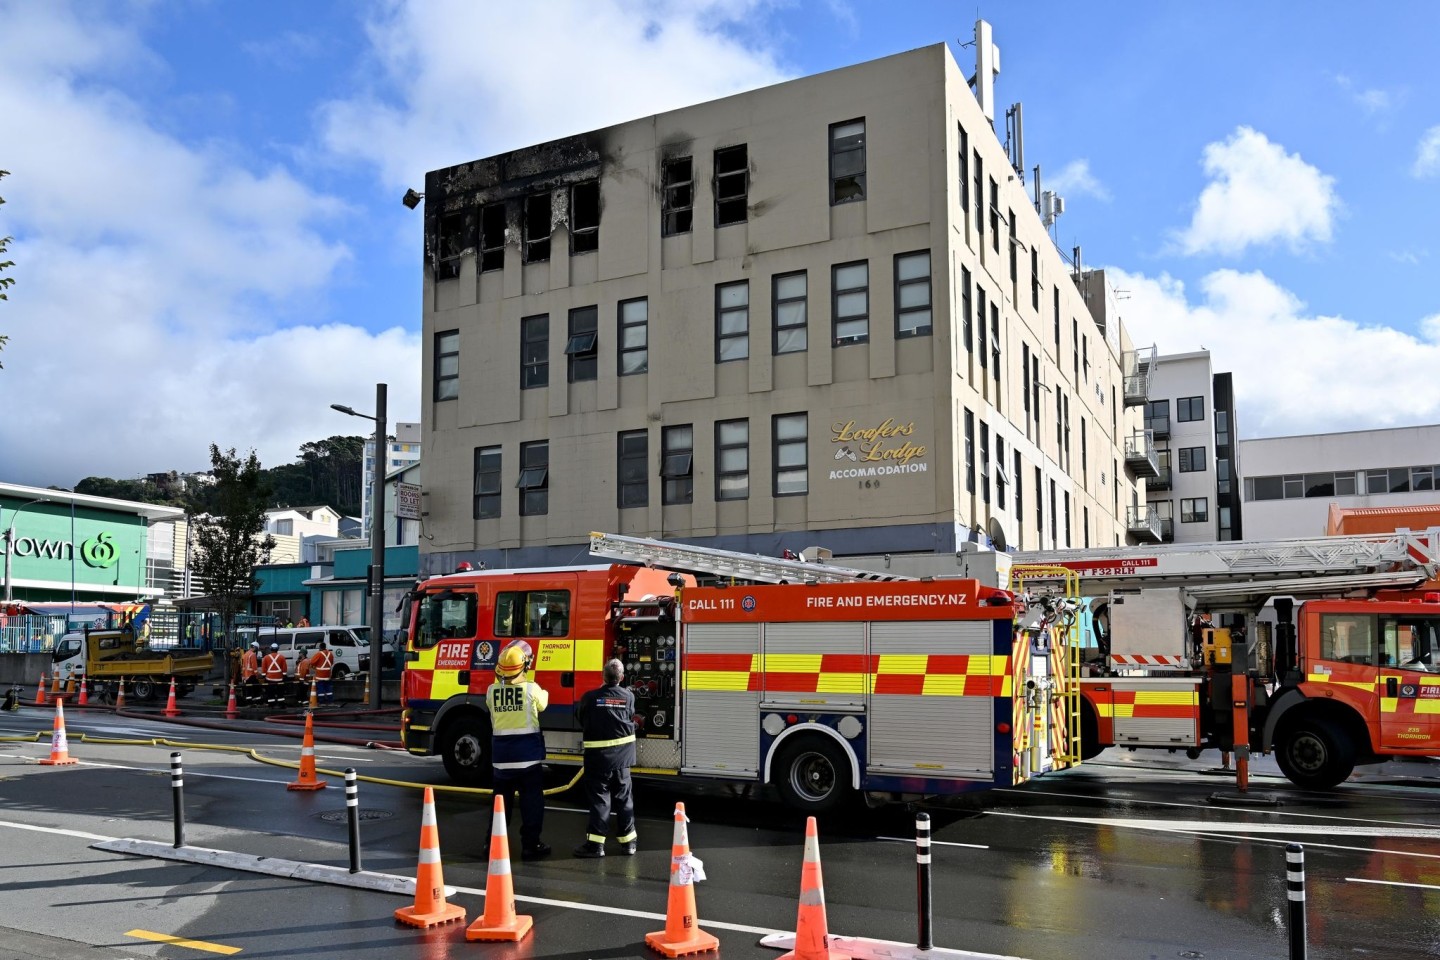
821,313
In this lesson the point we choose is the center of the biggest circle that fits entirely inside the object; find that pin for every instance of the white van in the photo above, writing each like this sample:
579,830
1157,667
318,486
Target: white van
296,643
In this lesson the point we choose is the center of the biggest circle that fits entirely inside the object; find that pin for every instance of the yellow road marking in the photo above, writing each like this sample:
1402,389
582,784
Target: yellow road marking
182,942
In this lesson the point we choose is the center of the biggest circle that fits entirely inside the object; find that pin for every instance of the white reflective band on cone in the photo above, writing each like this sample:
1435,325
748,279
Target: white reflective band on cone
429,855
499,868
427,816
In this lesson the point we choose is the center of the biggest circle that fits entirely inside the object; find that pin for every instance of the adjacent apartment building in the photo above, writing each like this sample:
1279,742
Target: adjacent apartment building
402,450
1191,418
824,313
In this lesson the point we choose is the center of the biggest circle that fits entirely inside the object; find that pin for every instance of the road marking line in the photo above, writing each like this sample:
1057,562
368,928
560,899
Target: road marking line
1221,827
1394,883
77,834
623,912
939,843
182,942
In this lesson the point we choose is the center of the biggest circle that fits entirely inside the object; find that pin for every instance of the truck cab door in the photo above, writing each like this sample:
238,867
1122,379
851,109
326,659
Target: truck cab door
70,655
1409,684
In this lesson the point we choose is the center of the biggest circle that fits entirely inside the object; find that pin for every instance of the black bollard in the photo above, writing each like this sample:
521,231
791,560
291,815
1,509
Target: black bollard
177,792
922,879
1295,891
352,807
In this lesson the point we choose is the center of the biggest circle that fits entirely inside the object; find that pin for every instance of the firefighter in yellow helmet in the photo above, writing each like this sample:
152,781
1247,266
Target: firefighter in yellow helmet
517,747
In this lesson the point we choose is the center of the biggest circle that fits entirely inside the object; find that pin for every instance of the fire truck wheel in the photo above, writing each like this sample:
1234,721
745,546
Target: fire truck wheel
813,774
465,748
1313,753
142,690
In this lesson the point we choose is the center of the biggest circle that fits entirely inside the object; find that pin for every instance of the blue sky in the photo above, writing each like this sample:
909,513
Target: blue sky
209,242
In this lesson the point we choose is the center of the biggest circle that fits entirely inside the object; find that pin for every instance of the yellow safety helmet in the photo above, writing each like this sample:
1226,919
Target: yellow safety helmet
514,661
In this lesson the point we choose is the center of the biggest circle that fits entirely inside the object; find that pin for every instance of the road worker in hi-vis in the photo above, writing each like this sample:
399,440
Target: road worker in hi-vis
517,747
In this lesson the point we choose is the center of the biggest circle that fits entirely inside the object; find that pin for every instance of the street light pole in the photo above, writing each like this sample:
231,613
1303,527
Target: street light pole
10,544
377,549
375,577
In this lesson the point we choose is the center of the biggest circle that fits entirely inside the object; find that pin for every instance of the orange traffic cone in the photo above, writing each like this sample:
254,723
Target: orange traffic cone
811,936
365,697
231,710
40,692
55,682
170,709
314,703
499,921
682,933
120,695
59,747
430,907
307,779
84,700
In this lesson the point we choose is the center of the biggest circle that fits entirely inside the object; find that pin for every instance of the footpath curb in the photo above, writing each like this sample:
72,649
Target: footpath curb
270,866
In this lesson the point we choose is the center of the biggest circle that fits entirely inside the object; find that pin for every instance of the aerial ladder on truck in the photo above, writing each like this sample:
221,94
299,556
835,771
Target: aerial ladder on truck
1162,672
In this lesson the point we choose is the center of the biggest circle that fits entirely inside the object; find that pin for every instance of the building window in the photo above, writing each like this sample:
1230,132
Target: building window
1000,474
732,185
788,307
581,347
964,184
1035,279
585,217
535,351
995,343
1014,260
1085,358
1066,502
447,365
634,336
732,460
537,228
847,161
1222,478
850,302
1157,417
967,318
969,451
1054,519
994,216
1075,347
1192,459
1019,501
1039,508
1025,383
912,294
980,312
678,202
677,462
455,239
487,483
534,482
1222,428
632,459
1188,409
732,321
792,433
492,237
984,463
285,528
1056,290
1194,510
1084,455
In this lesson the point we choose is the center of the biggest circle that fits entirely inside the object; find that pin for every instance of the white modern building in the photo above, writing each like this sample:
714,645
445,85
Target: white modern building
402,451
1290,483
297,529
1191,418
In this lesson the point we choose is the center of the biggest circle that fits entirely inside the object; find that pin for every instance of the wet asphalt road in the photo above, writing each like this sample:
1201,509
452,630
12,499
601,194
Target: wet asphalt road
1126,857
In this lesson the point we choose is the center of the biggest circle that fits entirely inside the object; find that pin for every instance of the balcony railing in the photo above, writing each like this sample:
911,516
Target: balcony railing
1167,530
1137,367
1160,481
1141,457
1142,523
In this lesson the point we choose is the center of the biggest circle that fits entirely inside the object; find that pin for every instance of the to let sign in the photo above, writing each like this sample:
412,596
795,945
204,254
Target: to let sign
407,501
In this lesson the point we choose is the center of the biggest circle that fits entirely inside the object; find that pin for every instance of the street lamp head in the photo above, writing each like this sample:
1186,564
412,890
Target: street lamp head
343,409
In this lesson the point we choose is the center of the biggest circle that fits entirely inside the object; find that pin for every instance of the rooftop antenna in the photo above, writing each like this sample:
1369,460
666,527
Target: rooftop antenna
987,68
1015,139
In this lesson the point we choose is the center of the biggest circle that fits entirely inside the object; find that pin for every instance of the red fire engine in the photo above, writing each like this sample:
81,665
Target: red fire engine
858,684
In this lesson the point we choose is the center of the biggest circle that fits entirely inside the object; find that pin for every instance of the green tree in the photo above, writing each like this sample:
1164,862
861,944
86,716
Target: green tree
5,282
230,540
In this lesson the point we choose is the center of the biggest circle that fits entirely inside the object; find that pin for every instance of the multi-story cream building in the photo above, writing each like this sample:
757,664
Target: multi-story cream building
824,312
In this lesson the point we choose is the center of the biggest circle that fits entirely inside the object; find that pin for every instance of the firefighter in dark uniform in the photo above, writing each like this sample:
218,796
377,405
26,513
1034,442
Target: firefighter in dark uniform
607,719
517,746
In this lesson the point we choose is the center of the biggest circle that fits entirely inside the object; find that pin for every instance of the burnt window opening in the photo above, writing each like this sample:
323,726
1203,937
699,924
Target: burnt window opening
492,237
455,239
585,217
732,185
581,349
678,202
537,228
847,161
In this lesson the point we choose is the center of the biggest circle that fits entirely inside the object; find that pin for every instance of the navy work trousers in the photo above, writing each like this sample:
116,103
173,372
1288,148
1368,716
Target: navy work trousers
607,779
530,781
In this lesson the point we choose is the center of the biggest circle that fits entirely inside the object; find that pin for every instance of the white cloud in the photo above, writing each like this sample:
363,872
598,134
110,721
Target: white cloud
457,80
1295,372
1258,195
1374,101
1075,179
1427,154
155,278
